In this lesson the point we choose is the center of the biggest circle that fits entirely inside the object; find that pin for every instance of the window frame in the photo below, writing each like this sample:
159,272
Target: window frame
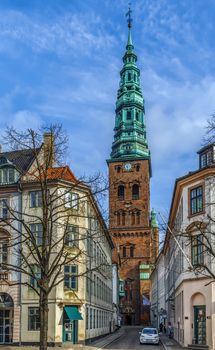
190,199
38,234
37,202
72,277
36,318
4,213
74,242
197,258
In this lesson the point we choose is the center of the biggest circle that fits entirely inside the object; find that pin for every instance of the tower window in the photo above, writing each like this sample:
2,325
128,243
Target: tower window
118,218
138,168
128,115
118,169
135,77
121,192
132,251
124,252
133,218
138,217
135,192
123,219
137,115
129,76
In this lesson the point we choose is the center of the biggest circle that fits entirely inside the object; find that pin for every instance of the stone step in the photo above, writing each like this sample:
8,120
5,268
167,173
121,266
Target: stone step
197,347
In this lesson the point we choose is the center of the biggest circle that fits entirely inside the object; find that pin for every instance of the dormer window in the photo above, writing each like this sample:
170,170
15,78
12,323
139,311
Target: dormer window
7,175
206,156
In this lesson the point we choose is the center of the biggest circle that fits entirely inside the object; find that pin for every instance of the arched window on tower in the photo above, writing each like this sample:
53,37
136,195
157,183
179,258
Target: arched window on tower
118,218
121,192
128,115
132,251
124,252
135,191
123,219
138,218
133,218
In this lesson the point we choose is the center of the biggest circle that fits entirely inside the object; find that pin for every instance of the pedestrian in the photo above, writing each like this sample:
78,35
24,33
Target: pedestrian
161,327
164,329
169,330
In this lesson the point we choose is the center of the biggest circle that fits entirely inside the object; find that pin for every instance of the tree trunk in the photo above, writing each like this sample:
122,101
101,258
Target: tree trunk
43,320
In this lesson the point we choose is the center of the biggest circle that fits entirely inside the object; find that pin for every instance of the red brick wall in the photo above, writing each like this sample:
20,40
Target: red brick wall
137,234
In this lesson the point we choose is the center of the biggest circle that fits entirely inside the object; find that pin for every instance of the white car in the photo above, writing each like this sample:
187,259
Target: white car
149,335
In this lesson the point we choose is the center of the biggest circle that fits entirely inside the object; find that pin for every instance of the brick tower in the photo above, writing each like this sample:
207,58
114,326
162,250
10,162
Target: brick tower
133,228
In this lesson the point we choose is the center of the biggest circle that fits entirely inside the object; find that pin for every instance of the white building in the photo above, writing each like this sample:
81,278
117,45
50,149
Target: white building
190,290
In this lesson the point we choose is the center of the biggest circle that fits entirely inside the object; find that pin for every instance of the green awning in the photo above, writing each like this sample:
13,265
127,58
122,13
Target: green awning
73,313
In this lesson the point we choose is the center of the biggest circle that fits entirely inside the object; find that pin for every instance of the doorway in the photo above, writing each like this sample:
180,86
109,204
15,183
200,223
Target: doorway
6,318
200,324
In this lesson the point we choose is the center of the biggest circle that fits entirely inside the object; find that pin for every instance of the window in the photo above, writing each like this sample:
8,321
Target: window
133,218
206,159
124,252
70,276
138,218
33,319
3,208
137,115
118,219
144,275
72,236
197,250
87,317
135,192
129,76
121,192
7,175
90,318
128,115
196,200
3,254
131,251
72,200
35,199
36,272
37,231
138,168
123,219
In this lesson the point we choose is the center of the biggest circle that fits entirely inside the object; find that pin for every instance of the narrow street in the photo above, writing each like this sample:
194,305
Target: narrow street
130,340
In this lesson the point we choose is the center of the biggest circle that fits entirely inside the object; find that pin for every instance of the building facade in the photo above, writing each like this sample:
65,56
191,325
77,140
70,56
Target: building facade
134,230
189,256
80,305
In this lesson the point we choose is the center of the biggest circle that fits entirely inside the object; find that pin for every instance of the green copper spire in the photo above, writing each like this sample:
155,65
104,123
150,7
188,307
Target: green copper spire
129,132
154,222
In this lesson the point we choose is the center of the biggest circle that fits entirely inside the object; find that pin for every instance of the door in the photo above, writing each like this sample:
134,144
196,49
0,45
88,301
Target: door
200,324
70,329
6,326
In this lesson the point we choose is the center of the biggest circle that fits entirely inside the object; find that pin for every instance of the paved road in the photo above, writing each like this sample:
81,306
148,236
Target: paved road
130,340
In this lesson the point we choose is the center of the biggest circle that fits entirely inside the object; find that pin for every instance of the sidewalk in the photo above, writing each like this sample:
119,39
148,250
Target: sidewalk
96,345
169,344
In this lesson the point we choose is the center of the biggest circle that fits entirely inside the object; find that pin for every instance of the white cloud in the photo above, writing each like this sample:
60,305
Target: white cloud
73,32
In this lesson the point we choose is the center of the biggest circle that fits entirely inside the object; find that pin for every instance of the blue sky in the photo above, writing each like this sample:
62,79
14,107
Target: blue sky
60,62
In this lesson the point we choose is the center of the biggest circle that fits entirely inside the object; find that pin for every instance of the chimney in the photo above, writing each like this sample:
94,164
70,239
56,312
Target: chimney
49,152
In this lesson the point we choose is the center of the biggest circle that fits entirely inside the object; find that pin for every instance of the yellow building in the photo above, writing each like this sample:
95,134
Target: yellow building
80,304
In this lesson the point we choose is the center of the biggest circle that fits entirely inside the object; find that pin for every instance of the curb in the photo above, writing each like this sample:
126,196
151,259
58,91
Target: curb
110,342
164,346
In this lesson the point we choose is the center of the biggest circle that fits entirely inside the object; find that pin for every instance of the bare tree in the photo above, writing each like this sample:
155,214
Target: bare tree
42,254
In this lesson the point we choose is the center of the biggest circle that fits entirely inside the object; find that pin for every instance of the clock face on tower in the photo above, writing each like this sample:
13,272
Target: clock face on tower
127,166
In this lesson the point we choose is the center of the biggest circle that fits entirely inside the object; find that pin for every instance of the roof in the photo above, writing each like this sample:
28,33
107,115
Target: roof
61,173
22,159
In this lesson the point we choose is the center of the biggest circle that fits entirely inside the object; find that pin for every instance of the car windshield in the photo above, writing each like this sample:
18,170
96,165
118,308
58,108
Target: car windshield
149,331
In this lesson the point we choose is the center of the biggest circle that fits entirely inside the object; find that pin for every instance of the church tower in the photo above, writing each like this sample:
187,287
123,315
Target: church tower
133,228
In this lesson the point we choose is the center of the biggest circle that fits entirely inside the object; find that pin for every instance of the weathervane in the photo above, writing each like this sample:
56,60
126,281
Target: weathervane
128,14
